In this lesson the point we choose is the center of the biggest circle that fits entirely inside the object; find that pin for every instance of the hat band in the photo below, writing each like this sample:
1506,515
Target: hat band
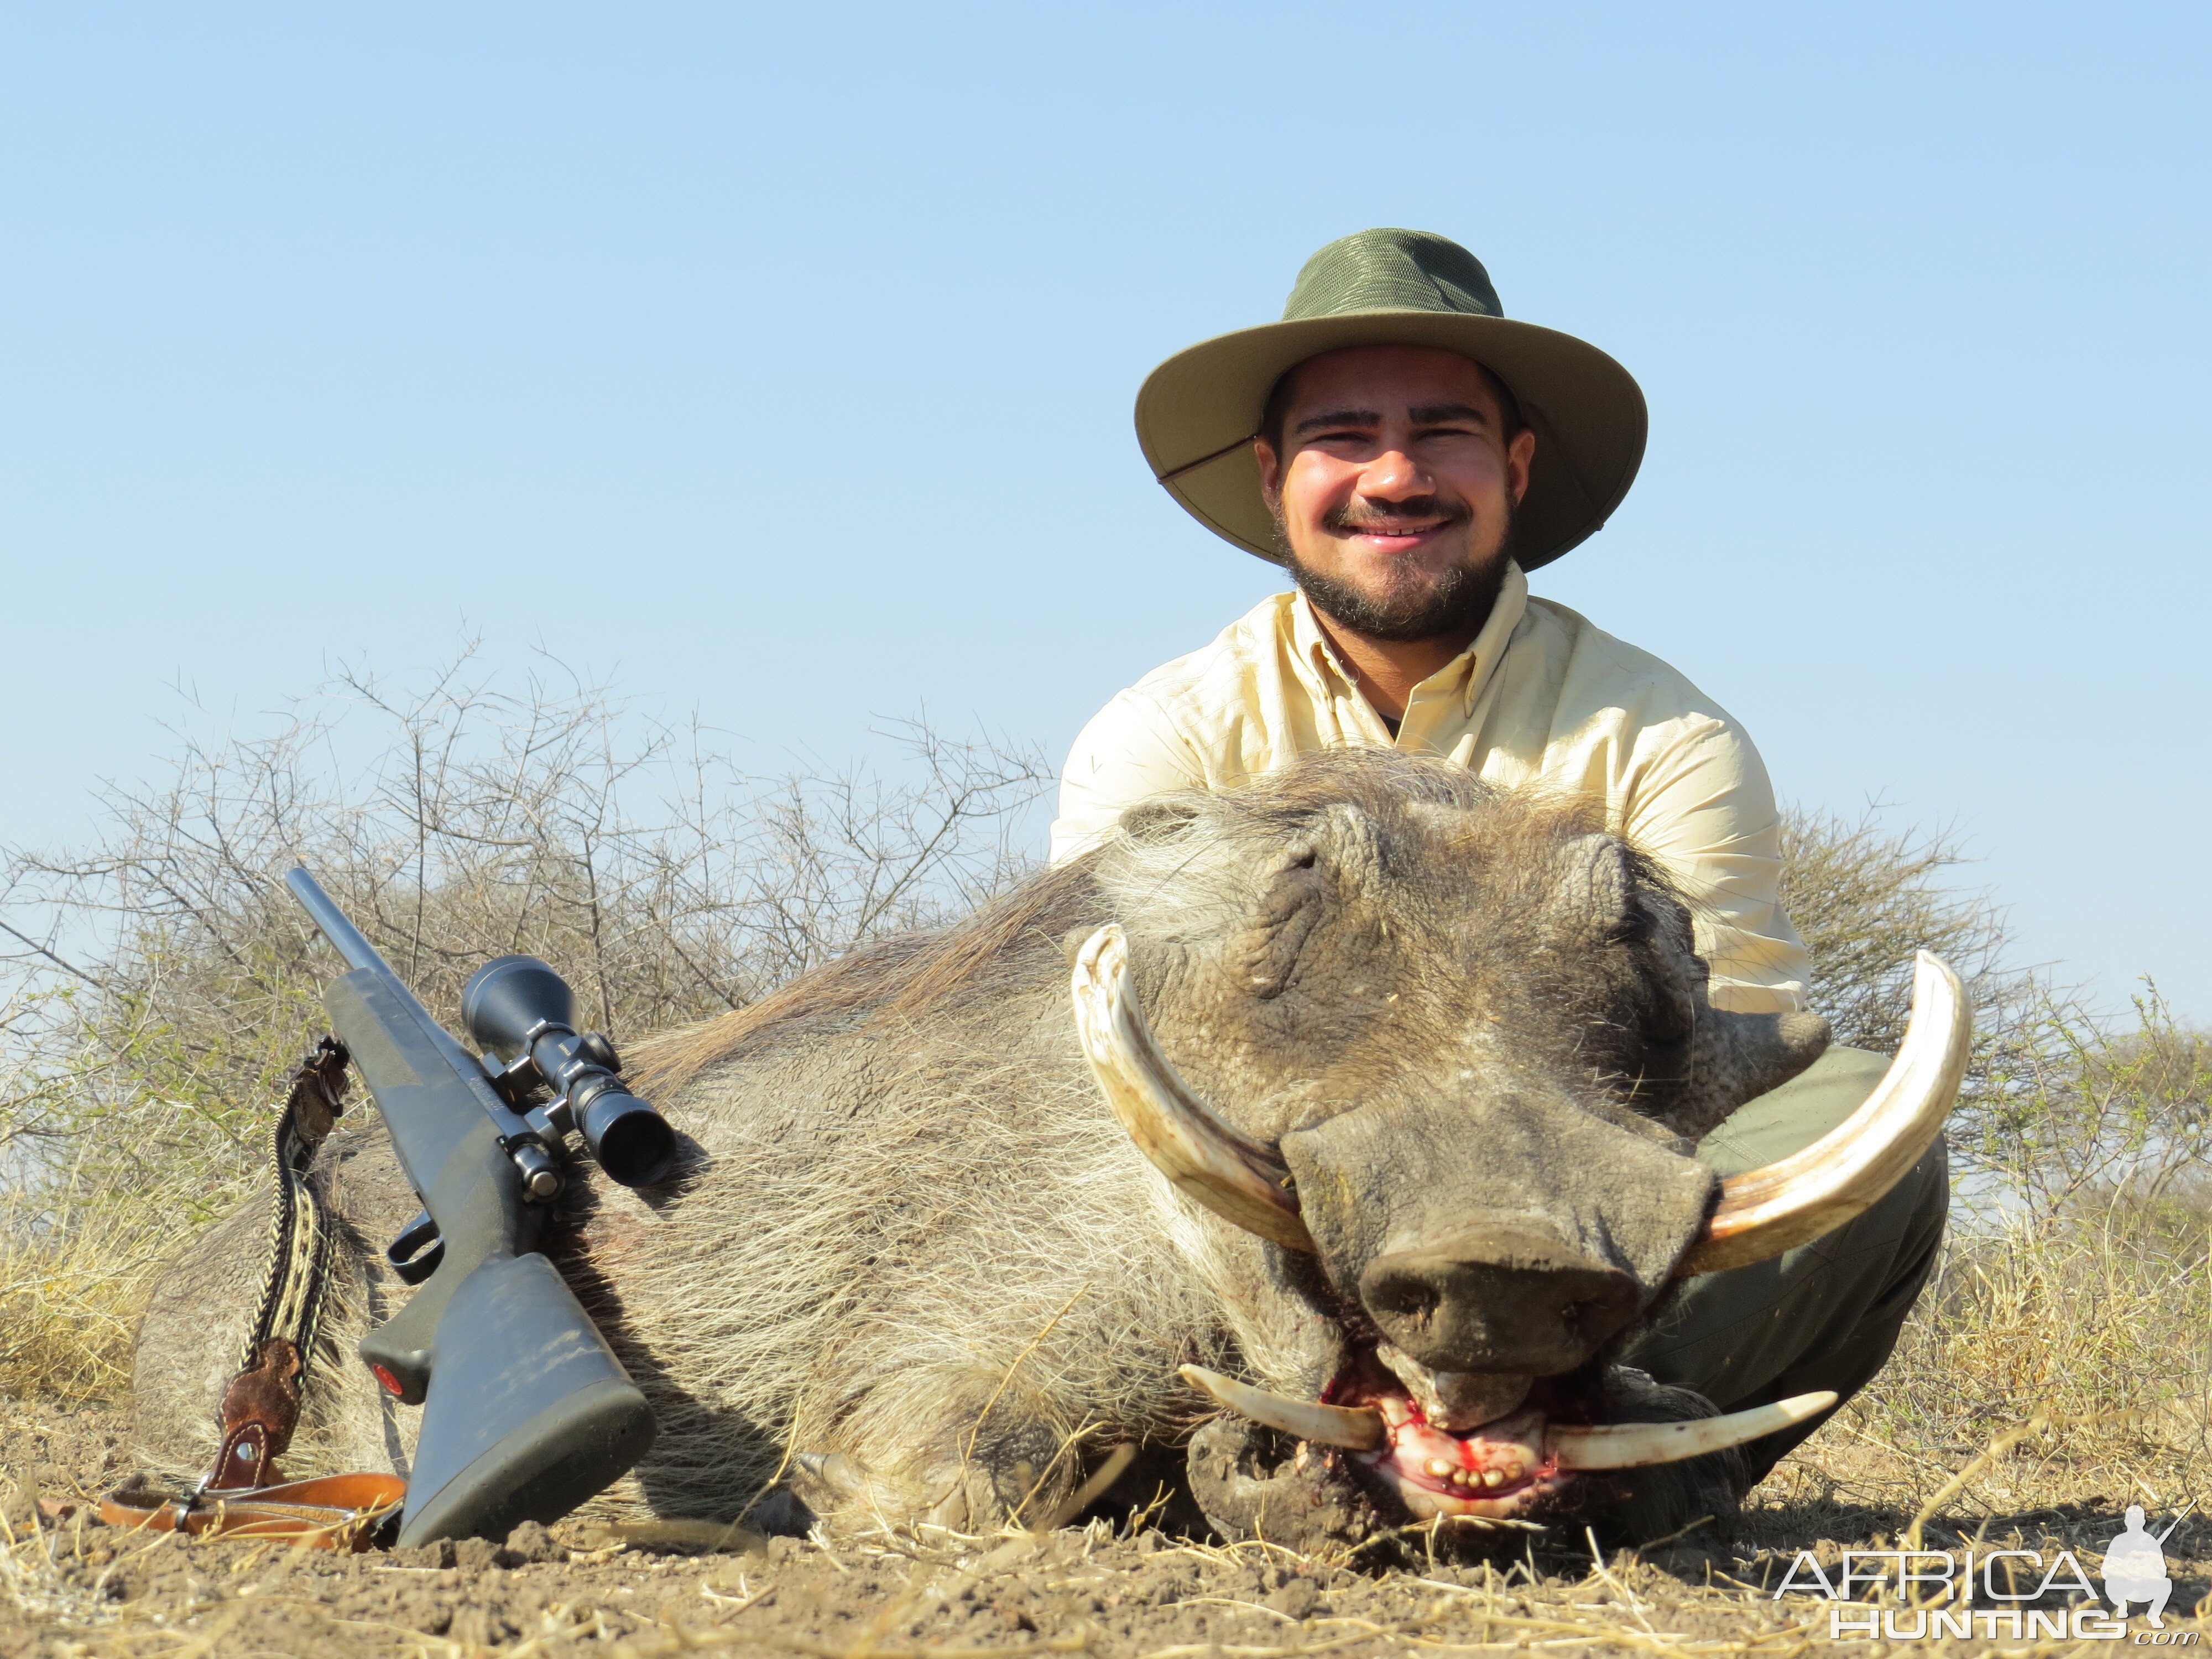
1228,448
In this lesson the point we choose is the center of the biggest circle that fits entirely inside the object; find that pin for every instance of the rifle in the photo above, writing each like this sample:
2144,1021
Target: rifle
526,1411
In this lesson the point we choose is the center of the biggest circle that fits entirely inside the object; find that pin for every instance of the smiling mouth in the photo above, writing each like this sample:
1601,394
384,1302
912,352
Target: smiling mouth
1492,1470
1411,522
1395,532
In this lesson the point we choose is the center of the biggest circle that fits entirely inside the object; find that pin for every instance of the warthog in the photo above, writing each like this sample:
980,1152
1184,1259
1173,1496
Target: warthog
1404,1074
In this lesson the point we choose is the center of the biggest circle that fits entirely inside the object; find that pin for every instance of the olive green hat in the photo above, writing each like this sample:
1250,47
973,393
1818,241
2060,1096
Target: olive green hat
1198,412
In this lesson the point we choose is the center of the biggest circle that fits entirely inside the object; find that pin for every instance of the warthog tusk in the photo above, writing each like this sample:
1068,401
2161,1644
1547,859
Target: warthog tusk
1359,1427
1636,1445
1766,1210
1228,1172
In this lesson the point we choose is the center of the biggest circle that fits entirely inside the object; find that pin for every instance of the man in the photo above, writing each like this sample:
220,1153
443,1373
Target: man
2134,1568
1408,453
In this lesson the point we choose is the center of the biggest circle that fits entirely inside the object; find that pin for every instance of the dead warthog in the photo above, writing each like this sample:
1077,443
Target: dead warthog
1369,1116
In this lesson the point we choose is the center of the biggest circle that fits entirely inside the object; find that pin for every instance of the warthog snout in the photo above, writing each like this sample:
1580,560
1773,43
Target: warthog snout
1503,1297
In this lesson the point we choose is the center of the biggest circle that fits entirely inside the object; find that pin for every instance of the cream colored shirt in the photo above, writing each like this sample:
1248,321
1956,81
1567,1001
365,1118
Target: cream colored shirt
1540,698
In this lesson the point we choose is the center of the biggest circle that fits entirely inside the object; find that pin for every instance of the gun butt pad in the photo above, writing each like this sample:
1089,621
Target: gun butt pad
529,1413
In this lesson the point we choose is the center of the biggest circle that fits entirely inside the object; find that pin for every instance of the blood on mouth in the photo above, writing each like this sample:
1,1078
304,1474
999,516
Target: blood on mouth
1495,1463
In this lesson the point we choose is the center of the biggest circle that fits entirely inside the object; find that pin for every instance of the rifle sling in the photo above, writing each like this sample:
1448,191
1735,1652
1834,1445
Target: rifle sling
329,1511
245,1494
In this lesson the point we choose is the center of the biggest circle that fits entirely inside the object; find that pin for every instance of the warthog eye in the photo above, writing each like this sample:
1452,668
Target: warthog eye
1633,928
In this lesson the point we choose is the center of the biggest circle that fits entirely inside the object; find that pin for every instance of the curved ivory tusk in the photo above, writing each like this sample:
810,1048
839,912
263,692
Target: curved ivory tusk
1359,1427
1635,1445
1231,1174
1765,1211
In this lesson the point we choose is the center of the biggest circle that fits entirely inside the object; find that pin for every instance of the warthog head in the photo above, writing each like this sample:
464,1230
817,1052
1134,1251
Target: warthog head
1447,1050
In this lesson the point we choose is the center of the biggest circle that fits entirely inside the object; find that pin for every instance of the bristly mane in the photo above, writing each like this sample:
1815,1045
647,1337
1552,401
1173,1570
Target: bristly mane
900,977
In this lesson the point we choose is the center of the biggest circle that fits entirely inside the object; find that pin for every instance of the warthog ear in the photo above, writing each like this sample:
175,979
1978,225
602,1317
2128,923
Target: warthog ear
1735,1058
1595,894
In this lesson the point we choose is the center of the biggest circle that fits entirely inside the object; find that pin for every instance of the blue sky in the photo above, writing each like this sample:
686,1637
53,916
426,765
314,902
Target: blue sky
779,362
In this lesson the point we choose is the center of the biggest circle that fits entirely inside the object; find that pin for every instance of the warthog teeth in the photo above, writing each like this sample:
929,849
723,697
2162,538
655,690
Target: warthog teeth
1605,1446
1358,1427
1636,1445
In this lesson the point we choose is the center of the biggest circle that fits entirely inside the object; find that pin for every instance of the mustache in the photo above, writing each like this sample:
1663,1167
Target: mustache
1360,517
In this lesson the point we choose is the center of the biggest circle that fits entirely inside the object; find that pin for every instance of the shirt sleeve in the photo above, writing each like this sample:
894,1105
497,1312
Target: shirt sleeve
1703,807
1128,751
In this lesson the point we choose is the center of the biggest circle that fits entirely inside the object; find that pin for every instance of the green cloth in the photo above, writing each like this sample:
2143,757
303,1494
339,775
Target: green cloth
1826,1315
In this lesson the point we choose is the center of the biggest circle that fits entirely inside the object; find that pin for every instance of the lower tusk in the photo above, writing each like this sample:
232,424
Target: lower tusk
1635,1445
1358,1427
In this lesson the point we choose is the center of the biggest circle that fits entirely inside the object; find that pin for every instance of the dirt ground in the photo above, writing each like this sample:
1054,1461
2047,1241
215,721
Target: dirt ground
70,1586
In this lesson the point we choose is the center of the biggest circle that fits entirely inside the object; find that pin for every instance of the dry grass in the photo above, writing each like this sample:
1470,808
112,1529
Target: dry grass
72,1274
923,1593
2103,1340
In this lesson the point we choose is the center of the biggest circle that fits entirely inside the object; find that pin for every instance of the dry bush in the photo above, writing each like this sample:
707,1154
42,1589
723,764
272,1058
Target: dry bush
164,979
1865,897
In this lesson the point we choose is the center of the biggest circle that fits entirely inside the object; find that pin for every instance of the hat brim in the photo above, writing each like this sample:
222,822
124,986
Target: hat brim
1197,409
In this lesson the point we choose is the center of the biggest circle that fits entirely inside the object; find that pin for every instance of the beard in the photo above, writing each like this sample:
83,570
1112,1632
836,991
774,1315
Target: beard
1415,606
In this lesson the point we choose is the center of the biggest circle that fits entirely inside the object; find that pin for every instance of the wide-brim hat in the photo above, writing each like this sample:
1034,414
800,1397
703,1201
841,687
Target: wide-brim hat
1198,412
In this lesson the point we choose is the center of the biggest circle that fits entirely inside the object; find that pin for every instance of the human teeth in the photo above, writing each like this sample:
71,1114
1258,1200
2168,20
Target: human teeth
1439,1467
1491,1478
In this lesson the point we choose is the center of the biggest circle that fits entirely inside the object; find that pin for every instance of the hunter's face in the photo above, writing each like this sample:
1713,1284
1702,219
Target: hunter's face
1395,487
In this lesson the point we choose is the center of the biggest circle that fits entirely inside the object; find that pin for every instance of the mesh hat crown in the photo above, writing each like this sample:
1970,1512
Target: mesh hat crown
1198,412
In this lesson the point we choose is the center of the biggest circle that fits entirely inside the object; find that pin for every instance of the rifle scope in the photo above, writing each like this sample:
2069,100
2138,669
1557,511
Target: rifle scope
524,1013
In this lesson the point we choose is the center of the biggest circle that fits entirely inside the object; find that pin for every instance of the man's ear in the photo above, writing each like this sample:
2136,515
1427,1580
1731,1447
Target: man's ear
1520,456
1271,474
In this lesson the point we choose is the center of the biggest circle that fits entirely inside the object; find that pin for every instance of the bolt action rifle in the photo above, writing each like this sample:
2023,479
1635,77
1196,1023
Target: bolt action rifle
526,1411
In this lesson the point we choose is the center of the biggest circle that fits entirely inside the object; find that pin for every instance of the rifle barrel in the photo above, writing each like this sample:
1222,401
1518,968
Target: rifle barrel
344,937
2176,1522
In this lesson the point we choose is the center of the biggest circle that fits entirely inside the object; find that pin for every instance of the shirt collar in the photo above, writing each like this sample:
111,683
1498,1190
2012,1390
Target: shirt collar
1465,675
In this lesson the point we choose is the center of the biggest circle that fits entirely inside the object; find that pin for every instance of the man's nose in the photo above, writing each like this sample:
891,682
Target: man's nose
1395,476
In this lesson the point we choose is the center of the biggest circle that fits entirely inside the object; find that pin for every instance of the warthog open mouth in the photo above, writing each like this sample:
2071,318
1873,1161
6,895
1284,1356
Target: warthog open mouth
1502,1467
1496,1446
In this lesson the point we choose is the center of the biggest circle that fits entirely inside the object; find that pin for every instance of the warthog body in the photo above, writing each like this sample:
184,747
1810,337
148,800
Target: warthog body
908,1232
